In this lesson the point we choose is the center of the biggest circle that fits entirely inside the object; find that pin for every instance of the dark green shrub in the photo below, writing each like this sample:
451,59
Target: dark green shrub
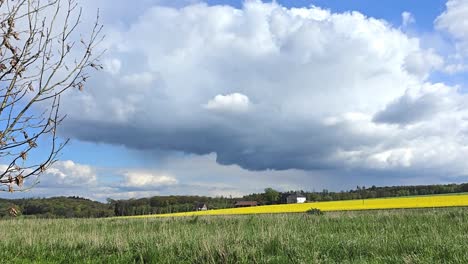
314,211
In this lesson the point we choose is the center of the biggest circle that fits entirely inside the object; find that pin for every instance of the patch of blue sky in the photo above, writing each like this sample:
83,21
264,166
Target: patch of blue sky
102,155
390,10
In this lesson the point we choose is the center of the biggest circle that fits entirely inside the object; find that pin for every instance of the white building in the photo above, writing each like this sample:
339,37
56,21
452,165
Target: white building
201,207
295,198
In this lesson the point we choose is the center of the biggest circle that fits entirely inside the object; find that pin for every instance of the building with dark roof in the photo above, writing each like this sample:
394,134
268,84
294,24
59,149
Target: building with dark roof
201,207
245,203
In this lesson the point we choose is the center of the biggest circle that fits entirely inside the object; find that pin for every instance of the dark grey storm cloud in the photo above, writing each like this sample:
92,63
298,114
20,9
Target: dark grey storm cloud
250,143
407,110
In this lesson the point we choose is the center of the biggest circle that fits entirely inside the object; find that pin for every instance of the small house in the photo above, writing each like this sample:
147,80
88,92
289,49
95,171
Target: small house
295,198
201,207
245,203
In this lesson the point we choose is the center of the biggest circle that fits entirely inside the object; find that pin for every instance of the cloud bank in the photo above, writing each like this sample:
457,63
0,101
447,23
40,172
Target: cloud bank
269,87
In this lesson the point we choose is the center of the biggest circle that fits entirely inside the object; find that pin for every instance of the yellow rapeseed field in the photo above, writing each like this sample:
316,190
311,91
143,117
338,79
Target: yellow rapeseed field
348,205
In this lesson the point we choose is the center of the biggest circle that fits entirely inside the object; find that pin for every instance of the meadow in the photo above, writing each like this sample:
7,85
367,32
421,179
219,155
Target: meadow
377,236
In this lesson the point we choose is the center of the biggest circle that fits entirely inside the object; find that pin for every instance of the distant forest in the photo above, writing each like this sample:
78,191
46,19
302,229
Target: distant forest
76,207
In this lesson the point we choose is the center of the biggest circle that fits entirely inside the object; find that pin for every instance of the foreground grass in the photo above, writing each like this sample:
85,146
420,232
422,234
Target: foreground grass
394,236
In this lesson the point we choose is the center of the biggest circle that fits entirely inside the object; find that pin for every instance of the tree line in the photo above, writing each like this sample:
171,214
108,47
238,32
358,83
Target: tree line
76,207
167,204
56,207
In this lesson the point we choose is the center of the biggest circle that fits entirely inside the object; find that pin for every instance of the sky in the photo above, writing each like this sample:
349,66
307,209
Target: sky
230,97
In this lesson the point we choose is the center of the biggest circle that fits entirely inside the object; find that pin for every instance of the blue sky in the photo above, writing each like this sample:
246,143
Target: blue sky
227,100
424,11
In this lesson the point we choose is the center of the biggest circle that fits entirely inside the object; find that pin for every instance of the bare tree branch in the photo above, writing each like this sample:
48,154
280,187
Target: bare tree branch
39,60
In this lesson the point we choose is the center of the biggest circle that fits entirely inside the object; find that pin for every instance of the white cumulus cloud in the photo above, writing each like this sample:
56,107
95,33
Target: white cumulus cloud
454,20
322,90
407,19
68,173
234,102
142,179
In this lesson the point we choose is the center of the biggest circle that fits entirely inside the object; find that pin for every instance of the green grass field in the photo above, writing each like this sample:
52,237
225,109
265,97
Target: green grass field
393,236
